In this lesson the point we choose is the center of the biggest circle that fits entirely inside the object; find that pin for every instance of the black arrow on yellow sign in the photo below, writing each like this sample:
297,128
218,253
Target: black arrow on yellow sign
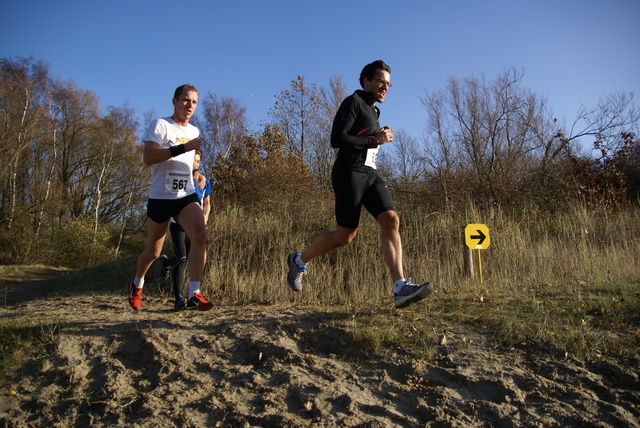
476,236
481,237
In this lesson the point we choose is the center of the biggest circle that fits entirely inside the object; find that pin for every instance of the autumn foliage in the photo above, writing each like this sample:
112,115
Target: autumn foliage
607,182
261,174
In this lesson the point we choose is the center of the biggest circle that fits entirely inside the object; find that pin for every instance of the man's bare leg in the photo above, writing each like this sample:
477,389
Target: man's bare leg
391,243
328,241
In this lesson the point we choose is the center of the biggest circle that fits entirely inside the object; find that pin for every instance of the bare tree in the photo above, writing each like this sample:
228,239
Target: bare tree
485,134
323,154
23,82
75,112
497,141
612,116
404,159
68,174
296,113
224,124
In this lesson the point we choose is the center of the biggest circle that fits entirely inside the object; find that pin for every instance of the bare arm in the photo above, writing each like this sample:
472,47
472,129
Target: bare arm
206,208
154,154
200,179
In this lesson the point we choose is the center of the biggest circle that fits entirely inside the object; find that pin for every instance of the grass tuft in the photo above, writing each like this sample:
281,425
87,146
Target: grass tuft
24,339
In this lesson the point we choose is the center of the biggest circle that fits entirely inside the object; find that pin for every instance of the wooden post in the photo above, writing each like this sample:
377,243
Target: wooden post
468,271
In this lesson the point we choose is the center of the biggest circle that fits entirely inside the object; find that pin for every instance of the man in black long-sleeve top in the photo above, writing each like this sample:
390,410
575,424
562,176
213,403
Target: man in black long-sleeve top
357,183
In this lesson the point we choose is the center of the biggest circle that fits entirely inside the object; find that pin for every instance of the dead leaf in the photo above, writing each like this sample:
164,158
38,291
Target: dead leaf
443,340
307,407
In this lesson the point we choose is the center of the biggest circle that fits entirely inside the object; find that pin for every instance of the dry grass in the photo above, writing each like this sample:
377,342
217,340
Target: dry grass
569,281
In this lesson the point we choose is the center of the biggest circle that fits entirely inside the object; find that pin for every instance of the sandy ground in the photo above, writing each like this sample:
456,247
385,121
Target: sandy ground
268,366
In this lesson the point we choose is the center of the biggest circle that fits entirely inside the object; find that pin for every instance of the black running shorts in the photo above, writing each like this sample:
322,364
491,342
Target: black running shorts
355,189
161,210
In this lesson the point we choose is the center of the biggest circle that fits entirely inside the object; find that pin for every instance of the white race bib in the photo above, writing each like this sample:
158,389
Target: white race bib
372,154
175,182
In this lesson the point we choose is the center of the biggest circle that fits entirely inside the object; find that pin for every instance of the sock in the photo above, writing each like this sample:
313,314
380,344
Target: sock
299,261
398,284
194,287
138,282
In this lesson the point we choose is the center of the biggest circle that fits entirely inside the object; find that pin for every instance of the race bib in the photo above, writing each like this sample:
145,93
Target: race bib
372,154
175,182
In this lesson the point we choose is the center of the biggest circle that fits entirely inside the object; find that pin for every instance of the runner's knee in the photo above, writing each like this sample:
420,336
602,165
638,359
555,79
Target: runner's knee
199,238
389,220
345,238
153,252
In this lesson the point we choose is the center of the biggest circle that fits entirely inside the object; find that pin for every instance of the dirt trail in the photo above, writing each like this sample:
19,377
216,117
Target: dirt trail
284,366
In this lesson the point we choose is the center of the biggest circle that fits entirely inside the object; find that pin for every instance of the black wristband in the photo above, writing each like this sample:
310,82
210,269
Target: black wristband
177,150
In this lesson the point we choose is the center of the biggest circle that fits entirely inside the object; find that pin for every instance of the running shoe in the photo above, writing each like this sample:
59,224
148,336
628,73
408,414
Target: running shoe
296,272
180,304
166,266
198,302
135,297
410,293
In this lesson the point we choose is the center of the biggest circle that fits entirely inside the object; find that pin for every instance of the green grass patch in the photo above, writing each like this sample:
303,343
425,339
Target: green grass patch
24,339
584,321
387,332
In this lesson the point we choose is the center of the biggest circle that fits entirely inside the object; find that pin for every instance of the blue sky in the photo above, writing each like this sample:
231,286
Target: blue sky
573,52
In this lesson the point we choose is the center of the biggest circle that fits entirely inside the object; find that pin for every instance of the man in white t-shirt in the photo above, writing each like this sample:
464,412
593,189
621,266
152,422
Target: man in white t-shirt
169,146
181,244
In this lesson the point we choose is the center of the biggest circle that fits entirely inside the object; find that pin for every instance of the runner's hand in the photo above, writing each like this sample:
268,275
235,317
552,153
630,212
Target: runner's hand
385,135
201,180
192,144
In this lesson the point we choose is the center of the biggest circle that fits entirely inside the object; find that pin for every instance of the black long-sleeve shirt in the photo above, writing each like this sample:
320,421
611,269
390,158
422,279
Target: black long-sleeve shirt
353,130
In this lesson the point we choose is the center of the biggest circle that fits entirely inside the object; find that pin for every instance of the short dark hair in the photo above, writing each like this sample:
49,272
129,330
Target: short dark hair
369,70
183,88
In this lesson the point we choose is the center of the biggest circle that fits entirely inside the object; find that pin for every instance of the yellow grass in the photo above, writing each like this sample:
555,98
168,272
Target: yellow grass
570,280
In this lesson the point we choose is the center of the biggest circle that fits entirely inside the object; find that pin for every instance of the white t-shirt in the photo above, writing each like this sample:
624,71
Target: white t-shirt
172,178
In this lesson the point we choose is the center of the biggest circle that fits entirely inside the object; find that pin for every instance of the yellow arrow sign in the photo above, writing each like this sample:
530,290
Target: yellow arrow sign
477,236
